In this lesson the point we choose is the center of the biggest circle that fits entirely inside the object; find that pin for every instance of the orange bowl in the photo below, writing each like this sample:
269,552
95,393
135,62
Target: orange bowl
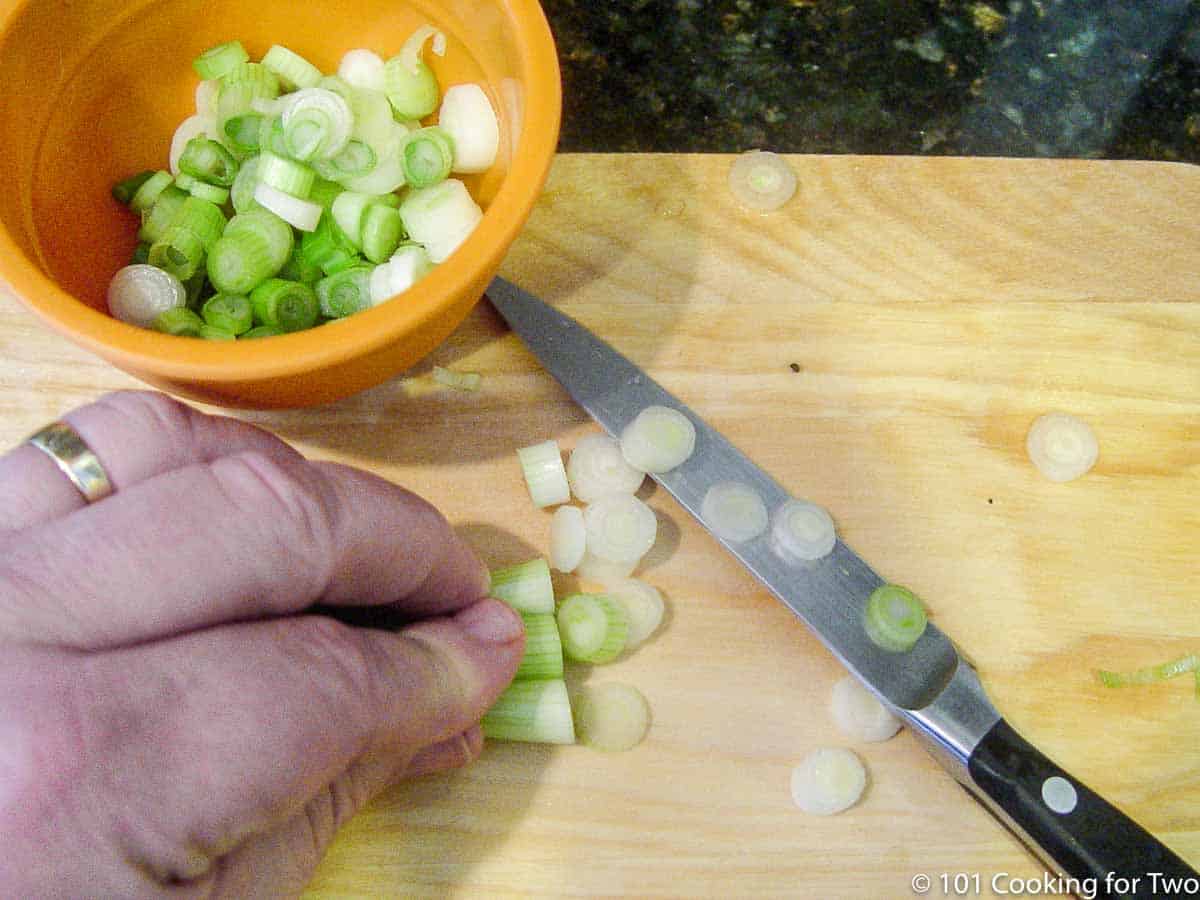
92,93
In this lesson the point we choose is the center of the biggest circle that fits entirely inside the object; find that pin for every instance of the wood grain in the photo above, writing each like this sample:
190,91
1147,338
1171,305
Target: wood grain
881,346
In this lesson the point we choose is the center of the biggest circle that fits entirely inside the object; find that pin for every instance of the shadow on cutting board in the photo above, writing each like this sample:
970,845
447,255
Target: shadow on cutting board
612,242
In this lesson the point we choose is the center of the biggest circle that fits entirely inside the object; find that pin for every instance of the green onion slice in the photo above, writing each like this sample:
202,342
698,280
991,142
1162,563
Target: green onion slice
287,305
208,161
346,292
179,321
220,60
895,618
229,312
427,156
592,627
149,191
293,69
526,586
125,190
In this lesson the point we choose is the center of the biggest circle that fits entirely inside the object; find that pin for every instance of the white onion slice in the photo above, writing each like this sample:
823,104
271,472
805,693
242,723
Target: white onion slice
386,178
191,127
802,531
302,214
762,180
333,109
568,538
644,607
828,781
440,217
734,511
138,294
859,714
658,439
620,528
611,716
410,51
362,69
545,475
1061,446
593,568
597,467
408,265
468,117
207,93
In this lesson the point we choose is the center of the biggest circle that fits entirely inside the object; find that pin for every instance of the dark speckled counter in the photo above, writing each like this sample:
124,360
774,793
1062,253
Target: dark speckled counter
1068,78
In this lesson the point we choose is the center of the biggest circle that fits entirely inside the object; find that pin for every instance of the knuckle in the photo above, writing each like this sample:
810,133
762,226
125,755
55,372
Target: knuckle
287,495
330,809
350,670
164,414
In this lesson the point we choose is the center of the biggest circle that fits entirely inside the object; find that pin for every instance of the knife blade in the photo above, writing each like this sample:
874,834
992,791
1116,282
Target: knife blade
931,687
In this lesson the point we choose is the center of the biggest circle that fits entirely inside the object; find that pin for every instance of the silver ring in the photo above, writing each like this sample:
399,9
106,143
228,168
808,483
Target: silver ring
75,458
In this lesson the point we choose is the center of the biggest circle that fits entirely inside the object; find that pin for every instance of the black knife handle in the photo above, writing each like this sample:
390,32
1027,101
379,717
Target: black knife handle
1085,835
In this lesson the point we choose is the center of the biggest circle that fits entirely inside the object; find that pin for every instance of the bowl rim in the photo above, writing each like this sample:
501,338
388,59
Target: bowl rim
370,330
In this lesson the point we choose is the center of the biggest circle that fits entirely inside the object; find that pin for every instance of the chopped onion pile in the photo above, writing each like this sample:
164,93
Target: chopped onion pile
1061,446
323,156
761,180
828,781
859,714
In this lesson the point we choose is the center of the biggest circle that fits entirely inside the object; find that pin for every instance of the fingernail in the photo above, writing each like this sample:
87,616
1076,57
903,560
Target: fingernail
491,621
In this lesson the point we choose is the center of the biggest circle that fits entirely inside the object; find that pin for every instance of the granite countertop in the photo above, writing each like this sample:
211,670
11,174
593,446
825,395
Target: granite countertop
1068,78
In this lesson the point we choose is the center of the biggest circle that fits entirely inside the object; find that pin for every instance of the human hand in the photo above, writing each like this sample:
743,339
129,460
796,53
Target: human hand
171,721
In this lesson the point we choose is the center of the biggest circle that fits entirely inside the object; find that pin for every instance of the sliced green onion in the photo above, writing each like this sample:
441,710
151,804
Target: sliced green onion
460,381
734,511
345,293
545,476
285,174
526,586
202,190
596,467
543,656
192,127
440,217
218,61
859,714
180,252
895,618
348,210
207,92
209,161
323,192
802,532
262,81
293,69
568,538
658,439
470,121
612,716
141,253
408,265
593,628
356,160
149,190
241,193
828,781
761,180
202,217
161,216
316,124
179,321
409,83
387,176
260,331
1062,447
1151,674
643,603
286,305
301,214
594,568
382,230
194,287
620,528
242,132
362,69
325,244
532,711
212,333
254,247
139,294
297,269
427,155
270,135
229,312
125,190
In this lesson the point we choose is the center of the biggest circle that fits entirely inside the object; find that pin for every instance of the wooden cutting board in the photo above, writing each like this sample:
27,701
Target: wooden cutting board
881,346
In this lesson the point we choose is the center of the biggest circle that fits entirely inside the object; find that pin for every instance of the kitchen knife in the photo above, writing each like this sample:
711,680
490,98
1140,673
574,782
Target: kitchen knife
930,687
